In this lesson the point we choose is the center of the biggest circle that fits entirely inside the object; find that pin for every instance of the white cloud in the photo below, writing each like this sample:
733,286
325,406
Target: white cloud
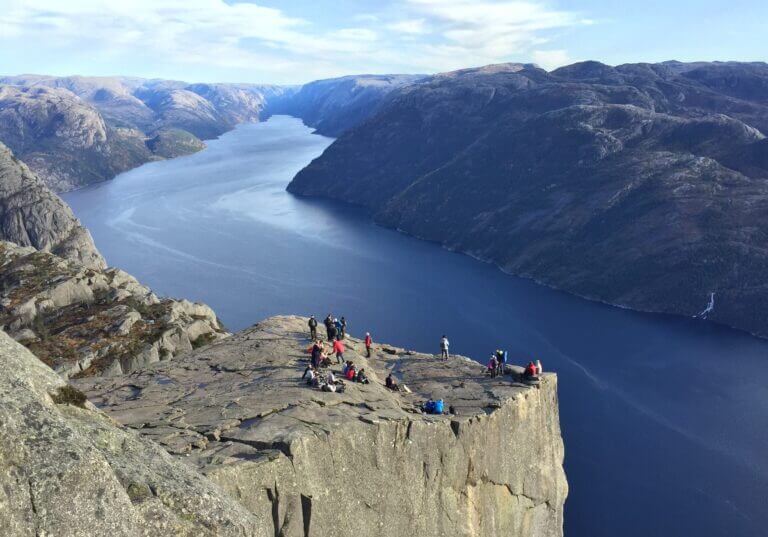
212,39
551,59
411,27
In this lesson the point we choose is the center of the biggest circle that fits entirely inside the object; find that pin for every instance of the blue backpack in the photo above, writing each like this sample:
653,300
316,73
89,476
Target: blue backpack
438,406
429,407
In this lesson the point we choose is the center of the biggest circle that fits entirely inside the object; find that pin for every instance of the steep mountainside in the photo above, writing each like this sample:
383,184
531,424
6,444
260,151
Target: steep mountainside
365,462
32,215
335,105
643,185
74,131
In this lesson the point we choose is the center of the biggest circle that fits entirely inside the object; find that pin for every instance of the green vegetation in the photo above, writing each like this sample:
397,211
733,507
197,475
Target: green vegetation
68,395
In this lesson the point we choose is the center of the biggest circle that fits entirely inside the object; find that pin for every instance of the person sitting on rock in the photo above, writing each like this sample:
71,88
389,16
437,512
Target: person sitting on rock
530,372
310,370
346,367
391,384
331,378
351,372
362,378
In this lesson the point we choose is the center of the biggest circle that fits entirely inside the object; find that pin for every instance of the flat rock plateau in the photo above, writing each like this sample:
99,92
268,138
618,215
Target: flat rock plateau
364,462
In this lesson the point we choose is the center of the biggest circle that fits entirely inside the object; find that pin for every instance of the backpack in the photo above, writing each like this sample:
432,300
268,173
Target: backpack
438,406
429,407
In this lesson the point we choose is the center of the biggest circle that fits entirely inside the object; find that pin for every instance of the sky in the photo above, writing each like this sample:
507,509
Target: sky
296,41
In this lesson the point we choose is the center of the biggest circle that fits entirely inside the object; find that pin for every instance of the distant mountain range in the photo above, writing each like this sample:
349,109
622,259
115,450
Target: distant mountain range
642,185
74,131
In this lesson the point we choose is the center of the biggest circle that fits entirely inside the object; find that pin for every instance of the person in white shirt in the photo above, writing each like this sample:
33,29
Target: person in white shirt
444,343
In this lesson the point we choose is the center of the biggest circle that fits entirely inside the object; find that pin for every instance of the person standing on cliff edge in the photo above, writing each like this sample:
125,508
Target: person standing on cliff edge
444,343
368,344
312,328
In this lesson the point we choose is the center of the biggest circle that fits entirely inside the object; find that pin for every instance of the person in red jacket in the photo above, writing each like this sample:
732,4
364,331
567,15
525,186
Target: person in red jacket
531,371
368,344
338,348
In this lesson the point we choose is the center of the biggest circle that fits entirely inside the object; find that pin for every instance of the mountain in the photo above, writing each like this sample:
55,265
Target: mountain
74,131
334,105
32,215
642,185
239,412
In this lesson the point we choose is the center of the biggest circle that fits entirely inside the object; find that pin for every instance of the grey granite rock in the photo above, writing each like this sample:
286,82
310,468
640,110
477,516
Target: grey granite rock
67,470
32,215
363,462
94,321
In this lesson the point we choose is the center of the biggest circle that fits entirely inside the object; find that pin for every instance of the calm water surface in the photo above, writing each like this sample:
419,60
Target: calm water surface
664,418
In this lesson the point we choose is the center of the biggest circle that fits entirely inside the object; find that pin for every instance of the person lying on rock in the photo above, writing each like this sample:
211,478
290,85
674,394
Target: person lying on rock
391,383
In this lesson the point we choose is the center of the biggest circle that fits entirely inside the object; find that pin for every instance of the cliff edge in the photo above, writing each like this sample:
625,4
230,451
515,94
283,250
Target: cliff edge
363,462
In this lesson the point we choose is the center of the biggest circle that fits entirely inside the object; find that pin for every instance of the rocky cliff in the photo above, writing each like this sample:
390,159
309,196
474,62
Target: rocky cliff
75,131
364,462
68,470
639,185
32,215
335,105
88,321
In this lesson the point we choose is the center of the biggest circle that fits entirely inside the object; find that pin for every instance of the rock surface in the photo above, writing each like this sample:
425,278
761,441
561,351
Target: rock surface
67,470
335,105
362,462
83,320
74,131
32,215
641,185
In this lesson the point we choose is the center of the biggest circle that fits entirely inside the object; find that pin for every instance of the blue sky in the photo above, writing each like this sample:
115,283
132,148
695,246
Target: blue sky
294,41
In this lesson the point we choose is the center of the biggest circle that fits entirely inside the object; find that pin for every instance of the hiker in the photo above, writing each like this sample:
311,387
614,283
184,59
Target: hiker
501,360
314,378
311,370
328,322
317,351
362,378
333,333
343,327
493,365
391,383
368,343
338,348
312,328
444,343
338,327
538,367
346,367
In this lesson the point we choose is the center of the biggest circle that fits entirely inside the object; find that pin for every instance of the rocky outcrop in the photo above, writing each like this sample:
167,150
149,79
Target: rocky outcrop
68,470
91,320
363,462
74,131
335,105
638,185
32,215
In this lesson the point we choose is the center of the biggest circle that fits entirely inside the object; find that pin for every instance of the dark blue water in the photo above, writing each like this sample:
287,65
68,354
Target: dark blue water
664,418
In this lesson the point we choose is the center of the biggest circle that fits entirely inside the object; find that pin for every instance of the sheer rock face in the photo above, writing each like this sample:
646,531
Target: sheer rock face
335,105
94,321
639,185
363,462
70,471
32,215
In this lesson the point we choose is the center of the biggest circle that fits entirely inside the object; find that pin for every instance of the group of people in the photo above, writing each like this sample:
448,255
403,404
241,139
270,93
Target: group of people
336,331
497,364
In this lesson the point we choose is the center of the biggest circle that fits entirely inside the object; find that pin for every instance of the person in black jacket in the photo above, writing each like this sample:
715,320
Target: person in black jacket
328,322
312,328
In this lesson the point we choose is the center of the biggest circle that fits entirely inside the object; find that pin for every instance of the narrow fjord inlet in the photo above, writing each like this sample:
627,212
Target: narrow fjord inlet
661,416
